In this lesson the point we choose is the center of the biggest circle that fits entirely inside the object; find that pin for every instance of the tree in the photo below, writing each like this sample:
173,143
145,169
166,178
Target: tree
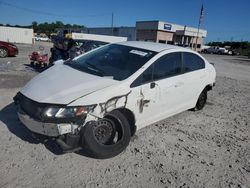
34,25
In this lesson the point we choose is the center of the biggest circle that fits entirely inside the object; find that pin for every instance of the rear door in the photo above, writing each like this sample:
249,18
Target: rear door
194,76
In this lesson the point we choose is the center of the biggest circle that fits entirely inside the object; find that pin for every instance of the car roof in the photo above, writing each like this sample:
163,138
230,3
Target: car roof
152,46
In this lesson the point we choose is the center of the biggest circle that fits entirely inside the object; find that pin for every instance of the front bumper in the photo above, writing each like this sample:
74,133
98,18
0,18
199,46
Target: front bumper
47,129
13,51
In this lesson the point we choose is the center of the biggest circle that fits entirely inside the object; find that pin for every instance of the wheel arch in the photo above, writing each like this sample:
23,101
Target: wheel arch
5,49
130,117
209,87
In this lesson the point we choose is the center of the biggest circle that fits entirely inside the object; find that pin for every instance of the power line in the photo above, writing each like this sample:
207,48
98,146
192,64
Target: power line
47,13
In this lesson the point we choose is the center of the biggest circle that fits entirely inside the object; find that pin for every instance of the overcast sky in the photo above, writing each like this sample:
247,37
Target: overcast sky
224,19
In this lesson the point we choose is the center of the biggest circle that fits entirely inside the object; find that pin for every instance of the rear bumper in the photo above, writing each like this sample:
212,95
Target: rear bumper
47,129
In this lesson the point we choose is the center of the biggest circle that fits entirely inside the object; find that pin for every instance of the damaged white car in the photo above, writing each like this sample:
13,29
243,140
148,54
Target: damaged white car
98,100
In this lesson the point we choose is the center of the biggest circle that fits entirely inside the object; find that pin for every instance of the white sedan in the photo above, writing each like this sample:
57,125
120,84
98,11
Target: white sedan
98,100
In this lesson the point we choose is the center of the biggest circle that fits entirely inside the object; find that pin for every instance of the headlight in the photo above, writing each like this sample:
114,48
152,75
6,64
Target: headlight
67,112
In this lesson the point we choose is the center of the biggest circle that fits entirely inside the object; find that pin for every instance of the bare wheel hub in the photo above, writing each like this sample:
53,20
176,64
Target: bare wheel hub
3,52
104,131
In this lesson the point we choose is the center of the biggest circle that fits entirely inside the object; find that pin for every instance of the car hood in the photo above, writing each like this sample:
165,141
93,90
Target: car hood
62,84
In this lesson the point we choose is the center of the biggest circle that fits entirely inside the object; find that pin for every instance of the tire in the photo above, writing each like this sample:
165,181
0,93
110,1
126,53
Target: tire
3,52
99,146
201,102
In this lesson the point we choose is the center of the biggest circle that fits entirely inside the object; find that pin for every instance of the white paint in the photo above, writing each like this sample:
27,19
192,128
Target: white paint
62,84
152,46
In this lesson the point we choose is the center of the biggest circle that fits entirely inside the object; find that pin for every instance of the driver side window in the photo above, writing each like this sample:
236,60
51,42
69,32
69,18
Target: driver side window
145,77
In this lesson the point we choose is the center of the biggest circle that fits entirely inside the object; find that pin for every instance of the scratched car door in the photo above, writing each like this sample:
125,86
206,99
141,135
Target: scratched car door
144,97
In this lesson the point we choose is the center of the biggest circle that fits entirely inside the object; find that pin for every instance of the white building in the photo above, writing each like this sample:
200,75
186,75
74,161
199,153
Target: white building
16,35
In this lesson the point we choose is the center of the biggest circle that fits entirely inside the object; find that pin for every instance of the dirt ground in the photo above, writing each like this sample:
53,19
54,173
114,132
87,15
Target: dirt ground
209,148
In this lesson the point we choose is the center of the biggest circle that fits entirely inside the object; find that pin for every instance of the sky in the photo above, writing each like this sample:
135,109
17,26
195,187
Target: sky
225,20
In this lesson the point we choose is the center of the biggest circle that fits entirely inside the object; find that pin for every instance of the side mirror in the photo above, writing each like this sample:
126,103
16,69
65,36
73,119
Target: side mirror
152,85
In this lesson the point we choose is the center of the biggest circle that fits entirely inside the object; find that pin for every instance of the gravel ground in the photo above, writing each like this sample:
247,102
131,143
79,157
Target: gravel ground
209,148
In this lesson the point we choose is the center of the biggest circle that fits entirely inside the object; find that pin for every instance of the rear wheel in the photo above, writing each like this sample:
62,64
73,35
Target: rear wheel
201,102
106,137
3,52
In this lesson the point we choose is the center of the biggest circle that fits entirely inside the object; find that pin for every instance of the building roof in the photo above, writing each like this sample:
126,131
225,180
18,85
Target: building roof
157,47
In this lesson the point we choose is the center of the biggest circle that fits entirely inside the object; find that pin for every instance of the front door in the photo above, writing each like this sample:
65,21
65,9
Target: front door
158,90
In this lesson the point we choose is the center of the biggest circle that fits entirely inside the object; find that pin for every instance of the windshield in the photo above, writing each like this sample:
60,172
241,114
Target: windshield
114,60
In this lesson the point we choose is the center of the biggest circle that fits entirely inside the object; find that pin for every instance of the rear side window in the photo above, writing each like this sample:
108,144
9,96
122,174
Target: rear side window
167,66
192,62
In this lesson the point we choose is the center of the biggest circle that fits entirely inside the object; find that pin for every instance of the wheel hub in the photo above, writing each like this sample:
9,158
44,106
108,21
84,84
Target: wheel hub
2,53
104,131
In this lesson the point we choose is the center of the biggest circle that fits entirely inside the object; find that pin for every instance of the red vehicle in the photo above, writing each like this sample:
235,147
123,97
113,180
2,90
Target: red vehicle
38,58
8,49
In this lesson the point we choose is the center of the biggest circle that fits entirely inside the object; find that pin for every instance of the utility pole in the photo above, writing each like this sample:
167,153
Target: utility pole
197,38
112,24
200,20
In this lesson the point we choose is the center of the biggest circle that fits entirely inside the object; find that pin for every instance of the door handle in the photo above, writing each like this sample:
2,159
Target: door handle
152,85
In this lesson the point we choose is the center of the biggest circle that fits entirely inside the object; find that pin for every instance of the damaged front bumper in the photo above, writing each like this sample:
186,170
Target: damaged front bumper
47,129
31,114
65,134
65,131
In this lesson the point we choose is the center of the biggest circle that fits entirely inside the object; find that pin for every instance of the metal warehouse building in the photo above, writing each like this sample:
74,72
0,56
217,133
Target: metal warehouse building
16,35
129,32
164,32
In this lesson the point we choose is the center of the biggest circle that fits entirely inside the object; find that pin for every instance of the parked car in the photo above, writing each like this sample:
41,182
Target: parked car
204,48
8,49
216,50
99,99
234,52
